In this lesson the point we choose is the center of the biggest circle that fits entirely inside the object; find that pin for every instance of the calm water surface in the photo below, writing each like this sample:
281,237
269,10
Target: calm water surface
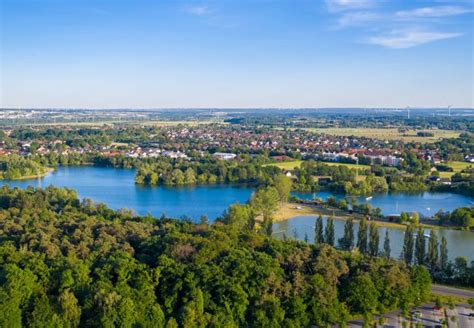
116,188
460,243
425,203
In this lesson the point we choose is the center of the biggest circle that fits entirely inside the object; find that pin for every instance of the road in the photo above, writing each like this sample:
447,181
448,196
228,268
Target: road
451,291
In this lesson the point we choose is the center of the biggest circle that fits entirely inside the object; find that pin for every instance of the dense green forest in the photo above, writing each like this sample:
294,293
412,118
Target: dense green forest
66,262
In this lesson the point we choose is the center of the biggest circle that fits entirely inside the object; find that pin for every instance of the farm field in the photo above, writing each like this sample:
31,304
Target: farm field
457,167
291,165
389,134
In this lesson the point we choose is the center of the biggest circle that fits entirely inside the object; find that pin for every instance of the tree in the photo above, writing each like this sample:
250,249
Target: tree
408,244
373,239
443,254
363,295
415,218
283,186
362,236
404,217
189,176
265,202
347,240
318,231
329,232
432,256
386,245
420,246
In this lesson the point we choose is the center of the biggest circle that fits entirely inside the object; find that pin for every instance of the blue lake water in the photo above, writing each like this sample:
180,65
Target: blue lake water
425,203
117,189
460,243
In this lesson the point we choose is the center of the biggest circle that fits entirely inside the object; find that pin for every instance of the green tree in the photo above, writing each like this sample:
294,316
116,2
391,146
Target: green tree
283,186
329,232
408,244
318,231
362,236
433,254
363,295
265,202
386,245
189,176
443,254
347,240
373,239
420,247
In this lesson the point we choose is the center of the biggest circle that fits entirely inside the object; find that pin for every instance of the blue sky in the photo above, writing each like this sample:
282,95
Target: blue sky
261,53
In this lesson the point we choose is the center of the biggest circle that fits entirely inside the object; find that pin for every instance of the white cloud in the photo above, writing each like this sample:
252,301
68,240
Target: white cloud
431,12
198,10
340,5
357,18
410,38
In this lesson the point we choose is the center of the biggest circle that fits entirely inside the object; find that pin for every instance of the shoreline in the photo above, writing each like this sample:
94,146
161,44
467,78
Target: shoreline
36,176
288,211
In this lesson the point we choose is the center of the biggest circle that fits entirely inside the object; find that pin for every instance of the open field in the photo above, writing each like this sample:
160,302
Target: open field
294,164
125,122
389,134
457,167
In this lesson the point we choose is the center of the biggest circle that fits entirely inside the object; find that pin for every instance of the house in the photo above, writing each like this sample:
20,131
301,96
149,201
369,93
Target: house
288,174
224,156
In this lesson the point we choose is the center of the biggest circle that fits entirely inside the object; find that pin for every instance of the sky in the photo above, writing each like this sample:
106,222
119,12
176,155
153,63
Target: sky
236,54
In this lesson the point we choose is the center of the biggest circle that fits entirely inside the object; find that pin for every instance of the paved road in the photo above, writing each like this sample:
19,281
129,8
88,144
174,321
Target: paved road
429,318
451,291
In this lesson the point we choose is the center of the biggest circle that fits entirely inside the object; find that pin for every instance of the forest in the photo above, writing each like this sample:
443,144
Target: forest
67,262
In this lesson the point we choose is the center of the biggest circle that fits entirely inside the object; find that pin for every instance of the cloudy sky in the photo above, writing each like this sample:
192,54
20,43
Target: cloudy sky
260,53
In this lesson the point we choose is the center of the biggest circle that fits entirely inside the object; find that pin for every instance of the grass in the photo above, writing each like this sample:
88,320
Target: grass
291,165
388,134
457,167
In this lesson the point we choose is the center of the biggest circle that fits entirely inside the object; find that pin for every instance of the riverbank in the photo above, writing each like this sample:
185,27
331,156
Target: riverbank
288,211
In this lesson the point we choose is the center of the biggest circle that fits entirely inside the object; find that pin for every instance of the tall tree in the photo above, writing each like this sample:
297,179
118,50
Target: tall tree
420,247
347,240
373,239
329,232
408,244
433,254
443,254
265,202
362,236
318,231
283,186
386,245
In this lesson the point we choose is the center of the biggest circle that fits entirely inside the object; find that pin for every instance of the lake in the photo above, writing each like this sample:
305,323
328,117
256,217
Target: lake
117,188
460,243
425,203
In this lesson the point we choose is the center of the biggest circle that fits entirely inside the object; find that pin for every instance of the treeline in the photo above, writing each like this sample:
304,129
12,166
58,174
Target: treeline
17,167
66,262
462,217
419,249
204,171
